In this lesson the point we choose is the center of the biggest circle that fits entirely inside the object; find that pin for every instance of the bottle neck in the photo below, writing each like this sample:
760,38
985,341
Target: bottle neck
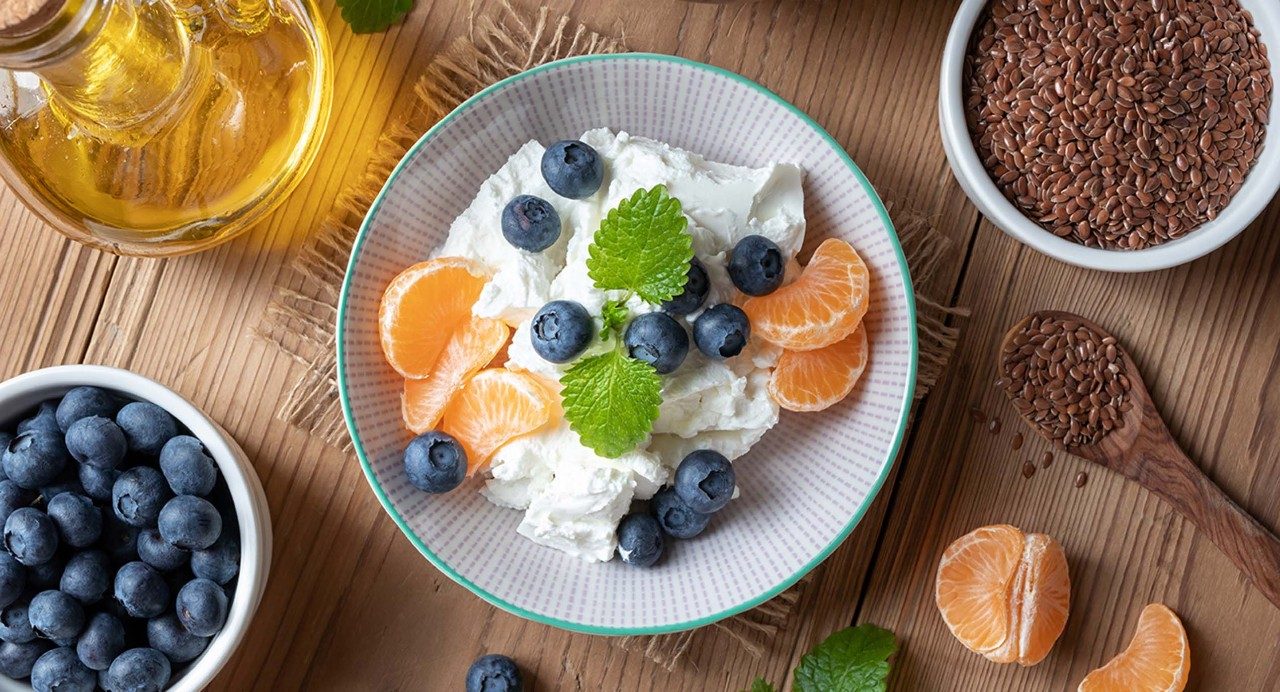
107,63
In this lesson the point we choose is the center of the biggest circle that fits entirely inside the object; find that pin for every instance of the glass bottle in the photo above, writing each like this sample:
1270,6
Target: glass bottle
159,127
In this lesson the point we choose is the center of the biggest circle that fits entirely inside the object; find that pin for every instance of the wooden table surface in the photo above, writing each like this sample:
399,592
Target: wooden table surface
352,606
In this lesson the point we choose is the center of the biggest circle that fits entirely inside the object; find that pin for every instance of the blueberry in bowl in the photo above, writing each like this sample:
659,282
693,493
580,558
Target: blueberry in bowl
125,495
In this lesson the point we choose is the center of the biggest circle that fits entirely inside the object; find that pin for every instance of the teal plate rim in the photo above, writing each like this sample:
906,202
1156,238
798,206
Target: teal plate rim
899,436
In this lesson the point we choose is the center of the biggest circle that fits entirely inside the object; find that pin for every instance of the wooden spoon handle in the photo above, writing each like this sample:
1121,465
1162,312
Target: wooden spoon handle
1169,473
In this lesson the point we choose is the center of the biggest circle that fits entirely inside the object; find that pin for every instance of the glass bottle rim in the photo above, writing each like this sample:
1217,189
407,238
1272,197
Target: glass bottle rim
69,27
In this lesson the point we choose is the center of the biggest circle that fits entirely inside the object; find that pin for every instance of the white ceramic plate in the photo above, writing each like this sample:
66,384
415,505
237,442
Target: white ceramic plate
804,487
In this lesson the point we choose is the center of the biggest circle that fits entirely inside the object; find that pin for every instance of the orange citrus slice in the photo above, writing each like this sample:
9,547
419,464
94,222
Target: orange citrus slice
824,305
422,308
494,407
815,380
1158,659
1004,594
469,349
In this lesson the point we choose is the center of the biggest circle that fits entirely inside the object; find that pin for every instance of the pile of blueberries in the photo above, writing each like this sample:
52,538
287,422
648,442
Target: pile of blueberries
705,482
121,545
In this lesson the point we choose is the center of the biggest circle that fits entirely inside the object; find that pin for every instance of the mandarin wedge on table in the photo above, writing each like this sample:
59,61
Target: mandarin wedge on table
471,348
1004,594
1158,658
422,308
814,380
494,407
824,305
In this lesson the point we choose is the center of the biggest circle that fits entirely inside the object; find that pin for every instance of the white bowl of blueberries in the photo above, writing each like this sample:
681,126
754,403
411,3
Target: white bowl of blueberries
136,536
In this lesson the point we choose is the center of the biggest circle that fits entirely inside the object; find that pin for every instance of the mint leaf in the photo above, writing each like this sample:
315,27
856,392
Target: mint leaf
611,401
761,685
615,314
368,16
642,246
851,660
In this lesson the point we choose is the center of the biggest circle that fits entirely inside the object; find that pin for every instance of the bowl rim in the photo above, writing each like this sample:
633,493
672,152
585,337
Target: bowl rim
977,184
252,511
899,433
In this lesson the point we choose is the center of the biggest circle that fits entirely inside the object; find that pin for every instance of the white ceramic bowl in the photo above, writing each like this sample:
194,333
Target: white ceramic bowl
804,487
23,393
1259,187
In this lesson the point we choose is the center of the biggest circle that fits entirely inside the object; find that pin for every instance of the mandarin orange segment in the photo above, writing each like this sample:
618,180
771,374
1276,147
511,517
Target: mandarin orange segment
974,581
815,380
470,348
1158,659
422,308
1041,599
824,305
494,407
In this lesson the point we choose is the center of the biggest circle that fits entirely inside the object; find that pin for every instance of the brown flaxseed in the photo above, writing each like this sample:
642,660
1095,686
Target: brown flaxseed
1118,124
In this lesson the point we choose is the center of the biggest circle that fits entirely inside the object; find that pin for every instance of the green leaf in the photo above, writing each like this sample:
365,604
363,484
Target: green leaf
368,16
611,401
642,246
615,314
761,685
851,660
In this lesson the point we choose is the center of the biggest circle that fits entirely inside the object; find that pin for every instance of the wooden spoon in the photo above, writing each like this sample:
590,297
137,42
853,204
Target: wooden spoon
1143,450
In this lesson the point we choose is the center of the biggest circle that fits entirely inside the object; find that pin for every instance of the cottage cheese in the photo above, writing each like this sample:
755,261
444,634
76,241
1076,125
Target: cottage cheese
573,499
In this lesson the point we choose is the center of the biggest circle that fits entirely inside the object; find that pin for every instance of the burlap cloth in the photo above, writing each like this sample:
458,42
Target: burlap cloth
301,315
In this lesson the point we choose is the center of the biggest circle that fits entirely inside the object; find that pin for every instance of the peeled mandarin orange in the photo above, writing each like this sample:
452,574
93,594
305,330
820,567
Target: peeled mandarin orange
469,349
1158,659
422,308
1004,594
815,380
824,305
494,407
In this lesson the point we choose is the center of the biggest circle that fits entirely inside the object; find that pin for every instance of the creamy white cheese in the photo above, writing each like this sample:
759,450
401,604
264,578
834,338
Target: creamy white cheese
572,497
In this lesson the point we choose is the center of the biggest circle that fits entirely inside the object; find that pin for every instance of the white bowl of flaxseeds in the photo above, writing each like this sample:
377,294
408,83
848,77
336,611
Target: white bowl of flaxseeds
1121,135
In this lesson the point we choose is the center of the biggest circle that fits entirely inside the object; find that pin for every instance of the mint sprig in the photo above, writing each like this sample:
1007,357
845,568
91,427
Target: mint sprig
761,685
642,247
851,660
614,314
611,401
368,16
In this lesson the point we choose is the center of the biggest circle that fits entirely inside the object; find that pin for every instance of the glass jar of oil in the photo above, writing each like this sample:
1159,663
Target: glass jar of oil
160,127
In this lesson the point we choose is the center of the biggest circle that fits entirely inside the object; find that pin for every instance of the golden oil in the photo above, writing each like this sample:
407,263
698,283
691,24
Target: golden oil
157,127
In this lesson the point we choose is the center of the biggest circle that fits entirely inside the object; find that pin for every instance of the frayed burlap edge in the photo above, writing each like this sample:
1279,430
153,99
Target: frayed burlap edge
301,315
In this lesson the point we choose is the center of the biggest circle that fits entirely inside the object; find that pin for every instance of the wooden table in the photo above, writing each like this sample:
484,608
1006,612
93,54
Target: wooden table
352,606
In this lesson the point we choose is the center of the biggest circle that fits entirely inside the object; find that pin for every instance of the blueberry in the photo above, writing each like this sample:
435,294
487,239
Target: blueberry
190,522
85,402
657,339
56,615
572,169
66,482
31,536
146,427
696,289
530,223
13,579
87,576
493,673
561,330
102,640
639,540
79,520
166,635
756,266
219,563
60,669
202,607
12,497
435,462
705,481
35,458
97,482
141,590
47,575
119,540
675,517
138,670
721,331
97,441
16,659
46,419
187,467
138,495
15,623
159,553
